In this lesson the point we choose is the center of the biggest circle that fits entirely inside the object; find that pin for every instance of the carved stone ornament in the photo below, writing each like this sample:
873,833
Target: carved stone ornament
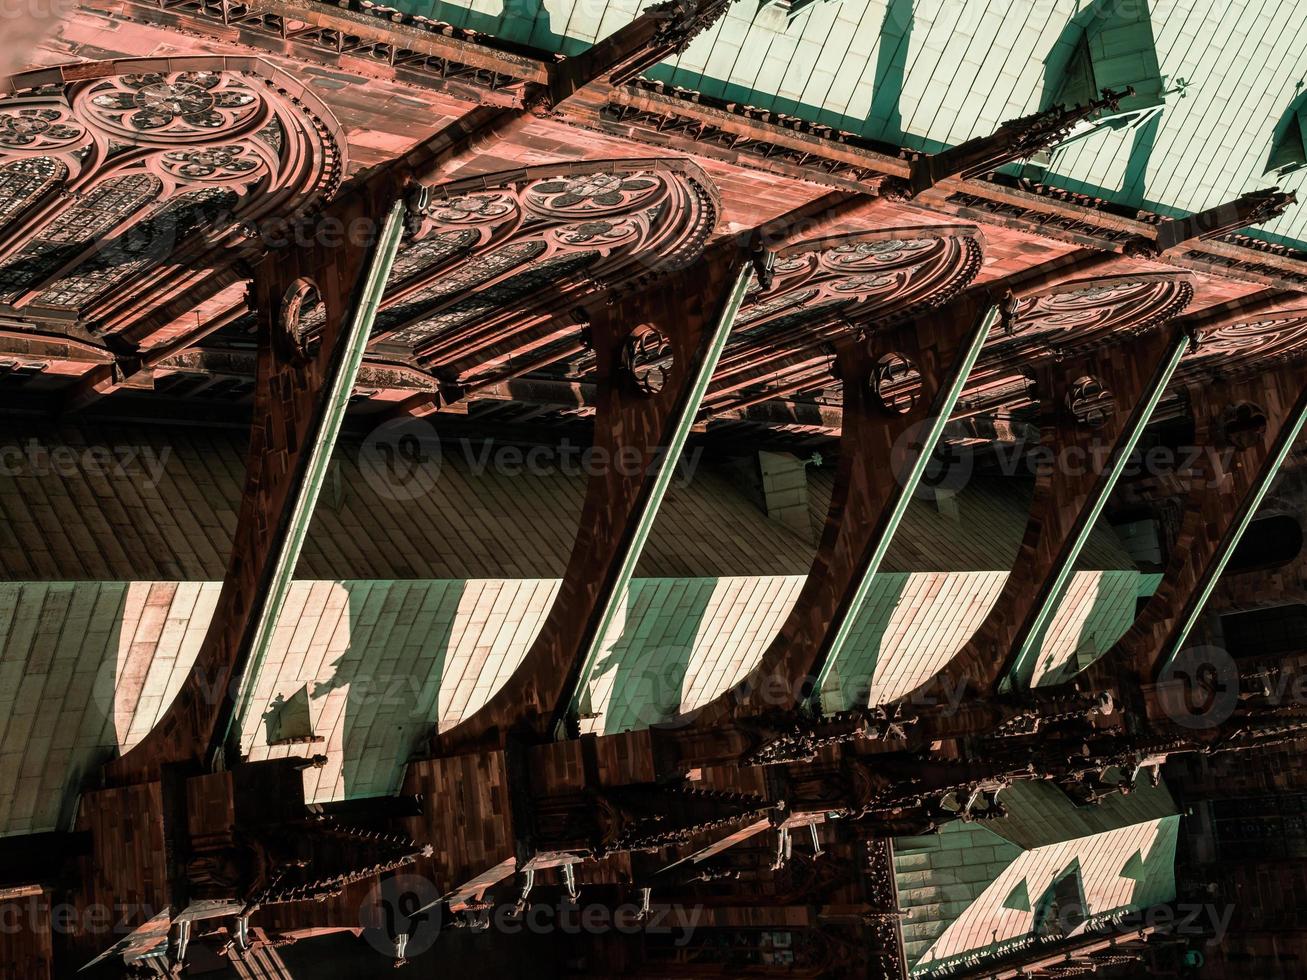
896,382
1090,403
300,320
184,161
647,359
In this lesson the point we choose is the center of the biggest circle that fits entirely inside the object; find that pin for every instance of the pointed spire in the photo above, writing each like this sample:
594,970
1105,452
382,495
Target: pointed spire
685,20
1249,209
1014,140
657,816
664,30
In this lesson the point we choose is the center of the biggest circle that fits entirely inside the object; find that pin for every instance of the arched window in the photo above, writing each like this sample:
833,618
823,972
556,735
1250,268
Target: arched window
108,179
1269,542
1263,632
1061,909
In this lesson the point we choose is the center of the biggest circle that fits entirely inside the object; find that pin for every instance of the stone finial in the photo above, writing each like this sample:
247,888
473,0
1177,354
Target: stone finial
1013,140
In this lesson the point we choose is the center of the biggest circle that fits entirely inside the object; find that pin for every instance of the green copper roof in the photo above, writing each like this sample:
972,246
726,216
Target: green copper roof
970,896
1040,813
928,74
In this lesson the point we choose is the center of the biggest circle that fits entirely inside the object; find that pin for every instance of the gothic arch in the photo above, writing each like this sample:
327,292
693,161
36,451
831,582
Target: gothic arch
827,289
1069,319
1077,315
878,271
1109,326
495,261
1237,349
116,176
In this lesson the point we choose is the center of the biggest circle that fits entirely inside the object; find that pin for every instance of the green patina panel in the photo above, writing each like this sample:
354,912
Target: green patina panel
932,73
971,896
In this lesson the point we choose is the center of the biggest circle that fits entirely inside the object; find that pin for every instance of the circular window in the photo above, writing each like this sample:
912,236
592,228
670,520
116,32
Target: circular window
302,317
1089,402
1244,425
647,359
896,383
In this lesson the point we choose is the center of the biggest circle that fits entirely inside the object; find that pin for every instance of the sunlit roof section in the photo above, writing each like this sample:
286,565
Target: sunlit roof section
1217,85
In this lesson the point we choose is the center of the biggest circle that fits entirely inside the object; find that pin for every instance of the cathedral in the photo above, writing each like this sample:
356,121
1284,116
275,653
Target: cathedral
701,488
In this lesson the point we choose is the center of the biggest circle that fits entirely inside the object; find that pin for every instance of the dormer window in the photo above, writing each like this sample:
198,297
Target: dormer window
1288,148
1061,910
1107,46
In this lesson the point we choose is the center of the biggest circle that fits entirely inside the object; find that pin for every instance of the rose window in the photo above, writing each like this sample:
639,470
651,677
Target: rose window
217,163
593,194
39,128
179,106
474,209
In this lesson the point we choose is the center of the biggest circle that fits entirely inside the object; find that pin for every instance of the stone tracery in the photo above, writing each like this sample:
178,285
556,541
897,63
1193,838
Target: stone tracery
885,270
178,107
1252,342
611,225
827,289
39,129
132,143
1081,311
